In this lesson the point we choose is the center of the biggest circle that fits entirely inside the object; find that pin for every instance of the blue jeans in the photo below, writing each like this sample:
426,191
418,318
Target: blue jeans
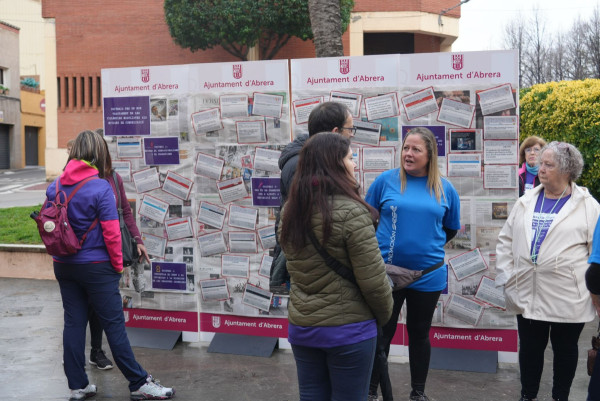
95,284
335,374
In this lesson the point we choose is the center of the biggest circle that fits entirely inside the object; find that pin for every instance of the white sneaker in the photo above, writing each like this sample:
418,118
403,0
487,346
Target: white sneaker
82,394
152,390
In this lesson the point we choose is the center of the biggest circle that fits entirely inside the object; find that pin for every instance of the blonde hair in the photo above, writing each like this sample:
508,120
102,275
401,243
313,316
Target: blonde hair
434,177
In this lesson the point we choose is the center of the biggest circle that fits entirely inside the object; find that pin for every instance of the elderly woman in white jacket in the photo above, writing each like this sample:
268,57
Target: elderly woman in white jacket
541,262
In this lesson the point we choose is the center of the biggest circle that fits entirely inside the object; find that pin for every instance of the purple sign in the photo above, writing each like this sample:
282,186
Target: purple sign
438,130
161,150
266,191
169,276
127,116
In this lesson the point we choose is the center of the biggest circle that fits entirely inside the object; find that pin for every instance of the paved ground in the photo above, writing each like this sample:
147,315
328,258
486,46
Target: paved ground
31,369
24,187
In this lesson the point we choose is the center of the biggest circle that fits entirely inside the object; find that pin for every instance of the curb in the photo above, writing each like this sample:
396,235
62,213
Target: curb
22,248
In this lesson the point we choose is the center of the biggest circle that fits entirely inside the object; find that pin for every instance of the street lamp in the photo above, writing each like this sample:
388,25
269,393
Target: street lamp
440,23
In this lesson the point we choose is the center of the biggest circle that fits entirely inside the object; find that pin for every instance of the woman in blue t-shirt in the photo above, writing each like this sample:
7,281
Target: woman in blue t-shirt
419,212
528,156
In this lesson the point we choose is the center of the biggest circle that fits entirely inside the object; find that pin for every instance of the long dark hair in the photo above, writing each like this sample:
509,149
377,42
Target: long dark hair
320,174
90,146
108,168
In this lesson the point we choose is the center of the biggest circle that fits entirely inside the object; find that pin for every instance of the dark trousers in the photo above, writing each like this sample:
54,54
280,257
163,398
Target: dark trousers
334,374
533,339
419,312
95,284
95,329
594,387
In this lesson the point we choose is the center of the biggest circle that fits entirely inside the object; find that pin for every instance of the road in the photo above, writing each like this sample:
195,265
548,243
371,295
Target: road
24,187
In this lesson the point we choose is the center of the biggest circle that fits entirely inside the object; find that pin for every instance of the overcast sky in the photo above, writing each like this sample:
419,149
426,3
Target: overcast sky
482,22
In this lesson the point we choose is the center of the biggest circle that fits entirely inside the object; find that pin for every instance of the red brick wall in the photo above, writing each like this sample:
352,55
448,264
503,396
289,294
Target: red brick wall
426,43
95,34
428,6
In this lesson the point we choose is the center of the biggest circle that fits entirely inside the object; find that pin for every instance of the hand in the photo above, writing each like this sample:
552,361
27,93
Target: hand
596,302
143,253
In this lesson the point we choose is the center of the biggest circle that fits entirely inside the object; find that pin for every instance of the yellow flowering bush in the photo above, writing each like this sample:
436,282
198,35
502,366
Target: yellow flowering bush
566,111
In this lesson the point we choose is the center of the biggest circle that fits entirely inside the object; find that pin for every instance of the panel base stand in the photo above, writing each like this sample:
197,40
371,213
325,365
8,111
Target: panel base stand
464,360
152,338
225,343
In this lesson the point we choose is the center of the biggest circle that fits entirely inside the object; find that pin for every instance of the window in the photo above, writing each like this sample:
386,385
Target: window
90,92
58,91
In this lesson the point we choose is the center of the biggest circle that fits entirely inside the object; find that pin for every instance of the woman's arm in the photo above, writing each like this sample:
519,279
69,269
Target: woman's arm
449,234
111,230
127,214
130,220
504,253
367,264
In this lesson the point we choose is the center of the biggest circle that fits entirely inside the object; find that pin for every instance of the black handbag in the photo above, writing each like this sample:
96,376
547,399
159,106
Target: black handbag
129,245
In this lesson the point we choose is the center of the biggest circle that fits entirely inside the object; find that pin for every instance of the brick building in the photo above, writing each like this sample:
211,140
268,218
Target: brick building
80,40
10,98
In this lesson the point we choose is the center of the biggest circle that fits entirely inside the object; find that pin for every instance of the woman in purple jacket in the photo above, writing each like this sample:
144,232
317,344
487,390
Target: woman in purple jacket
91,276
98,357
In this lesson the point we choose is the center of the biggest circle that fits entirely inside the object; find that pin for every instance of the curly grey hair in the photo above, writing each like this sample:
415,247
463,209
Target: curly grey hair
567,157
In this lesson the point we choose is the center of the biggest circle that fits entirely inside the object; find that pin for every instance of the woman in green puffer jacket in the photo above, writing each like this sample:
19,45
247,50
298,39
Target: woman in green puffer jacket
333,320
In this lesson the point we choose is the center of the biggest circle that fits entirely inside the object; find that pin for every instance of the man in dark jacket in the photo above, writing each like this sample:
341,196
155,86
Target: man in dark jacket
326,117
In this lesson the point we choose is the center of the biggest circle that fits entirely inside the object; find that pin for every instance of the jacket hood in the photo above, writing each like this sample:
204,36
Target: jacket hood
75,171
291,150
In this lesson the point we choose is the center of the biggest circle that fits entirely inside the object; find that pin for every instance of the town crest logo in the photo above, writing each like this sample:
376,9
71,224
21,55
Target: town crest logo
457,61
237,71
145,74
345,66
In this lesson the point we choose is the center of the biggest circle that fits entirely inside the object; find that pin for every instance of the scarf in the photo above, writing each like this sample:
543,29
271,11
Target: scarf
532,170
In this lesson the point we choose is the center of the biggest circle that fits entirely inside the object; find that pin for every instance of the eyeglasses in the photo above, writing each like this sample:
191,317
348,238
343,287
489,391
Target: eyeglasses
351,129
532,150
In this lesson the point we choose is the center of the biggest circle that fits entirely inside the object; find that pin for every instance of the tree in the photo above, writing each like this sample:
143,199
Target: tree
238,25
558,59
325,20
537,57
593,42
574,54
577,52
515,35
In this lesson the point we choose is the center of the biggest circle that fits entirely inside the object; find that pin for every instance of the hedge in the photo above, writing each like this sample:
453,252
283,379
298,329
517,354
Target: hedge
566,111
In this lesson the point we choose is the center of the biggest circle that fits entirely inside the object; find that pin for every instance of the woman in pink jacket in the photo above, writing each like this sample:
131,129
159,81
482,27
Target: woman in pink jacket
91,276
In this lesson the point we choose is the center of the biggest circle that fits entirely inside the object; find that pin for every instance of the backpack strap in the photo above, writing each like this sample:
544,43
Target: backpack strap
77,188
332,262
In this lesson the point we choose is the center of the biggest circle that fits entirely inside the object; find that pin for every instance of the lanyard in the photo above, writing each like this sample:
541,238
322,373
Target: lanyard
540,226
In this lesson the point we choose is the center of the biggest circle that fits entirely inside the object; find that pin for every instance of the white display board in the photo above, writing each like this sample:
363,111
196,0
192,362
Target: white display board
198,147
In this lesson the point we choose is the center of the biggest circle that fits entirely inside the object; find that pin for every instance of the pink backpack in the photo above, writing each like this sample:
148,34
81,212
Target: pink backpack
53,223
